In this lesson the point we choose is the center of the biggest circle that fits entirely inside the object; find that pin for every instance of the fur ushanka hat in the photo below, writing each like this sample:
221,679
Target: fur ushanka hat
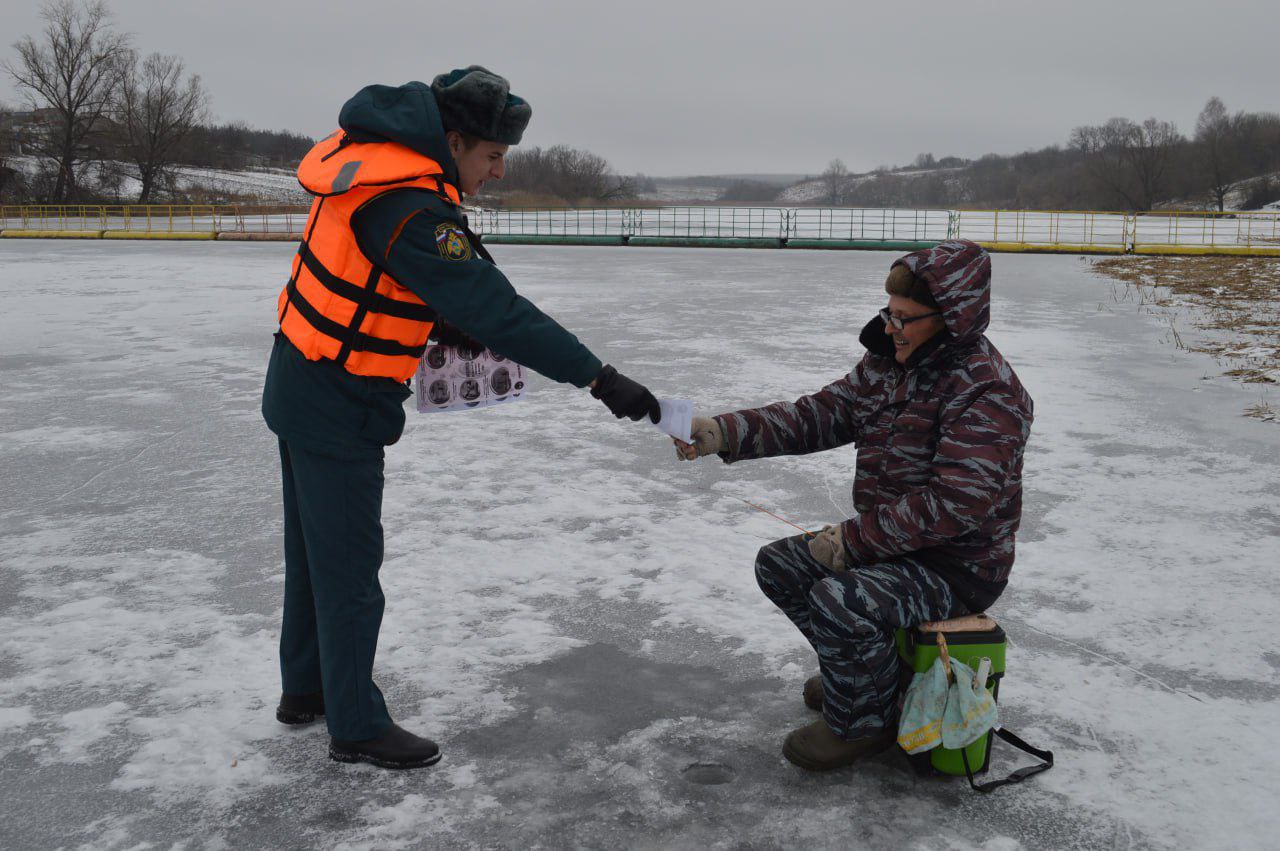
476,101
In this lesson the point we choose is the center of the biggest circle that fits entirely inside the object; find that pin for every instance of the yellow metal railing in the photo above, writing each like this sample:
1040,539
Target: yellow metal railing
1157,231
152,218
1072,231
1027,230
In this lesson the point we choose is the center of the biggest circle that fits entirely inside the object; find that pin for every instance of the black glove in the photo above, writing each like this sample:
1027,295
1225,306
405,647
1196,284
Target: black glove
624,397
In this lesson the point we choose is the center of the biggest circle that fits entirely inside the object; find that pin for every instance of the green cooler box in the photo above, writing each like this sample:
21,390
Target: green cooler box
969,639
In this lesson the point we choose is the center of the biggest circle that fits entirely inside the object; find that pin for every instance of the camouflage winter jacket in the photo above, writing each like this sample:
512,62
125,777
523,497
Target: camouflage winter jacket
940,441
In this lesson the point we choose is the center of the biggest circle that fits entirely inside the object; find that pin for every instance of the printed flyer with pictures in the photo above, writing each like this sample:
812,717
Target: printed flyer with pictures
461,378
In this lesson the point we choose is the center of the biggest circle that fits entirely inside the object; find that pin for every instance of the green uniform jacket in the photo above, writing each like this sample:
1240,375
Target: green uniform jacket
321,405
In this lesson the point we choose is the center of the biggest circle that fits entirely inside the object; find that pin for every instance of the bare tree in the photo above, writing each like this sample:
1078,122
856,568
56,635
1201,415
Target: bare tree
157,110
1130,160
565,172
1258,142
621,187
882,190
8,142
581,174
237,145
990,180
1261,192
72,70
1154,147
8,175
1215,147
836,181
1103,149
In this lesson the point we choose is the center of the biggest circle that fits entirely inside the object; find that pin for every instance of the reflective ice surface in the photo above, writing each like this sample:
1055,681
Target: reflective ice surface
571,612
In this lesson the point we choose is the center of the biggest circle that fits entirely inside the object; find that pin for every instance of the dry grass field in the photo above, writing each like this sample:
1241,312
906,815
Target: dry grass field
1234,302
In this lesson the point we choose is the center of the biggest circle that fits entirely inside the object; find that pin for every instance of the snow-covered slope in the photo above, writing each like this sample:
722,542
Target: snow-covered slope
266,184
815,191
115,179
1238,192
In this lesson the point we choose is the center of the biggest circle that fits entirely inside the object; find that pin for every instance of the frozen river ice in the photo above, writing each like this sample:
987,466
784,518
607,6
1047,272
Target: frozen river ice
571,612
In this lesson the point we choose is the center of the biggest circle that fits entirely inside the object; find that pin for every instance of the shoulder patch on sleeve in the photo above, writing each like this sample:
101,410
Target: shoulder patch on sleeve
452,242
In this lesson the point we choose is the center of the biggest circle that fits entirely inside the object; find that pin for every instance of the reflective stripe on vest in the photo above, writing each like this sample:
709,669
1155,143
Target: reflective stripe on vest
337,304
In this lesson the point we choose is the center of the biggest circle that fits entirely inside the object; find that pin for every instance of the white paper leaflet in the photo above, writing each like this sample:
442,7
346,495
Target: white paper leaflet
677,418
460,378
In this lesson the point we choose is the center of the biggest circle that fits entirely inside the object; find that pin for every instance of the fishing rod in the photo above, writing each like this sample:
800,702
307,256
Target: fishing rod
762,509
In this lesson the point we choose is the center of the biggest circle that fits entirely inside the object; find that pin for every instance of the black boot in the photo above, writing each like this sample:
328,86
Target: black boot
300,708
395,748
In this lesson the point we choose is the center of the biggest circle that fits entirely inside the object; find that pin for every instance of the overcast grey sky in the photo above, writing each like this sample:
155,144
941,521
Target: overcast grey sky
672,88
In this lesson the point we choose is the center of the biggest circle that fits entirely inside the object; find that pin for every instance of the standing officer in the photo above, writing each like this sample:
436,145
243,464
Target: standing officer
385,260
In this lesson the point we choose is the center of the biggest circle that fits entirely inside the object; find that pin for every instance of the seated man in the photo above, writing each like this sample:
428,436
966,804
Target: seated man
940,421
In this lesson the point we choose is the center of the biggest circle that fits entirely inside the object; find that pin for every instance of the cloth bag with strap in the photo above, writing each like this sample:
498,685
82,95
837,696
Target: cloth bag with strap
942,708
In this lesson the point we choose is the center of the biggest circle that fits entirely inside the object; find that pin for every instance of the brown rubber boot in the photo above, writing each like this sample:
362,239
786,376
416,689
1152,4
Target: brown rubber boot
813,693
816,747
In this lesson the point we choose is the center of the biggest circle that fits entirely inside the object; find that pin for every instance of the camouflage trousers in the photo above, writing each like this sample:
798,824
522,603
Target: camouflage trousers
849,617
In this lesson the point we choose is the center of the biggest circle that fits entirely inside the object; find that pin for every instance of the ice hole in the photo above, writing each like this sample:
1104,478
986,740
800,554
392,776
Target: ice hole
708,773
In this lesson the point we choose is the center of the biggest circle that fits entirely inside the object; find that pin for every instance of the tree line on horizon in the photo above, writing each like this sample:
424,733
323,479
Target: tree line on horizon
100,115
1118,165
1121,165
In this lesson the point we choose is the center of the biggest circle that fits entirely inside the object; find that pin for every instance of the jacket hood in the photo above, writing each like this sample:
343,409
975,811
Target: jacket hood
958,273
405,114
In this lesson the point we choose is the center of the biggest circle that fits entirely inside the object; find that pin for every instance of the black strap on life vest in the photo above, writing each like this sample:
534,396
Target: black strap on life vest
1046,758
476,245
293,277
370,299
366,298
352,339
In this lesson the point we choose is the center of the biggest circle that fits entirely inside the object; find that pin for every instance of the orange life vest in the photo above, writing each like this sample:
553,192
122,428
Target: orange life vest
338,305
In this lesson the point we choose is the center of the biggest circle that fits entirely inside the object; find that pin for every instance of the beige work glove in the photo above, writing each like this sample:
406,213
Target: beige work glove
827,548
708,438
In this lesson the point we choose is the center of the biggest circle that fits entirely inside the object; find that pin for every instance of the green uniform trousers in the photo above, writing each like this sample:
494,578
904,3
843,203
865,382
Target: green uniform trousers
332,599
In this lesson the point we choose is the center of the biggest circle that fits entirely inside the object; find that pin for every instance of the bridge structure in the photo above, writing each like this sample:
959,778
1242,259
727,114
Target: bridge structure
830,228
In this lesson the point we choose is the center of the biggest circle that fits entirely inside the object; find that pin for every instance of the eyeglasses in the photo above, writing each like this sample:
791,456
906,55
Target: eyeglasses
900,322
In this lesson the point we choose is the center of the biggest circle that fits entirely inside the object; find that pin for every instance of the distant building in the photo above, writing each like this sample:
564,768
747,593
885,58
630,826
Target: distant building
18,128
21,128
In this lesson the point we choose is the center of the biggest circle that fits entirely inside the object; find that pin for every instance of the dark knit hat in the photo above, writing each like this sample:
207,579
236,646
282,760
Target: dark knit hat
476,101
901,282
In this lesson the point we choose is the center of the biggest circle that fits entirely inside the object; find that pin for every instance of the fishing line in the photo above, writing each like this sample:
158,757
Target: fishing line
1016,620
1103,656
760,508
